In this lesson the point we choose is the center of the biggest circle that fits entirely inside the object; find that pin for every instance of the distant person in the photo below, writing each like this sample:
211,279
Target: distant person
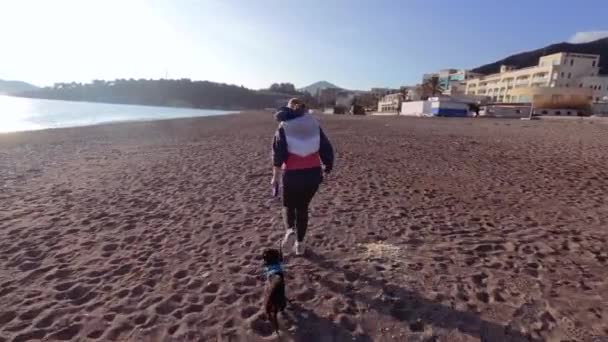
299,150
474,107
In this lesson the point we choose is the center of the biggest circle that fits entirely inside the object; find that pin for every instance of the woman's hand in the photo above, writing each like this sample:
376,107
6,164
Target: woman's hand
276,176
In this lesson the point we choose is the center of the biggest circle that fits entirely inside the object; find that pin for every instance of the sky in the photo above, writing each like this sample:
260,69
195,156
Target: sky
355,44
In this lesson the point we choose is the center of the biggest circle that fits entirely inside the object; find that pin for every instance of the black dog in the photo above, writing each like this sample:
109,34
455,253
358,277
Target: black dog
275,299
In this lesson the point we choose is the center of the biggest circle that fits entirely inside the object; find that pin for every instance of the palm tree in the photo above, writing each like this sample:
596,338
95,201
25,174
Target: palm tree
431,87
404,91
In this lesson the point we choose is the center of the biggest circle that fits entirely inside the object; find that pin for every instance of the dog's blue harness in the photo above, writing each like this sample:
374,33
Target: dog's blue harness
273,269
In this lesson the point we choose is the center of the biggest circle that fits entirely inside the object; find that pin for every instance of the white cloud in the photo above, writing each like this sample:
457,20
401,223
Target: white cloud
589,36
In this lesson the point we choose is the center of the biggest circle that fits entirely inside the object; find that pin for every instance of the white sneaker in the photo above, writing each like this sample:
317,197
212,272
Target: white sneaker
289,239
299,248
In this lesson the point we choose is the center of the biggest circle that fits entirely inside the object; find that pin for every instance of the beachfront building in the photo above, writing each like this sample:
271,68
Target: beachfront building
367,100
326,97
558,77
390,103
380,92
452,81
598,86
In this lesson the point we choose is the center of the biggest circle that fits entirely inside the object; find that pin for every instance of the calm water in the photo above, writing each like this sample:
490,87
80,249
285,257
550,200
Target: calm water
20,114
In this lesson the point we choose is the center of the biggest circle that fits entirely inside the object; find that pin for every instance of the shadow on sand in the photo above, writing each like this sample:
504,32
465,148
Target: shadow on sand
409,307
310,327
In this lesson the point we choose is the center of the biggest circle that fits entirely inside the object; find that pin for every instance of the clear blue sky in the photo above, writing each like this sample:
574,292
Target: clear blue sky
355,44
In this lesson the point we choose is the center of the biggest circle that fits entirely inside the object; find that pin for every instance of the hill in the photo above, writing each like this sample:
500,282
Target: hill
530,58
14,87
175,93
313,88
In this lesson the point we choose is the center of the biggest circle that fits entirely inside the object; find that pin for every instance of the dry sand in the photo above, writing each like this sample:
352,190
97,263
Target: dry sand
430,230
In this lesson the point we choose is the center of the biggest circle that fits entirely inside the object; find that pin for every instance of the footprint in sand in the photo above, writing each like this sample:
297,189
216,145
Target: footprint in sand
179,314
123,293
306,295
68,333
166,307
31,335
64,286
180,274
346,322
136,291
110,247
211,288
173,329
483,297
249,311
261,326
95,334
29,265
194,284
7,317
209,299
193,308
117,330
46,321
30,314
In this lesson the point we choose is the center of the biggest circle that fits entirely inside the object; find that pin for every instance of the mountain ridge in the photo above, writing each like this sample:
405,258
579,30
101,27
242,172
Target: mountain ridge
15,87
530,58
313,88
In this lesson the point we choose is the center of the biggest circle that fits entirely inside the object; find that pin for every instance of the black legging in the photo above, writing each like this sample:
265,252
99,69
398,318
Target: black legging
296,200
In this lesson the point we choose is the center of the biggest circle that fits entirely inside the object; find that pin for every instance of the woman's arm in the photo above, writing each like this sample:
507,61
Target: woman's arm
326,152
276,174
279,154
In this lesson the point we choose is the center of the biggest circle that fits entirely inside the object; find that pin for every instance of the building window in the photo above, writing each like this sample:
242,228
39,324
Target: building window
544,112
568,113
593,64
580,85
597,99
572,62
567,85
558,113
562,74
569,75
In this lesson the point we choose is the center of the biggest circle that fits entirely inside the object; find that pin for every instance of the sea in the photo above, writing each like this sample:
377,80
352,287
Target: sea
24,114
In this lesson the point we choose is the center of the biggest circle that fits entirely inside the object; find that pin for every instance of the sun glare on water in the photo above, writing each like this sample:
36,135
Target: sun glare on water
14,115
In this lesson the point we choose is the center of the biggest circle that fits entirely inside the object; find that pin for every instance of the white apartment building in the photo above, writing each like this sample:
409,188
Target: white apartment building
390,103
572,75
599,86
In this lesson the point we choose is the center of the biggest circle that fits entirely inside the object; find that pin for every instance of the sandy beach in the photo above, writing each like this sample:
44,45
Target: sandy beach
429,230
